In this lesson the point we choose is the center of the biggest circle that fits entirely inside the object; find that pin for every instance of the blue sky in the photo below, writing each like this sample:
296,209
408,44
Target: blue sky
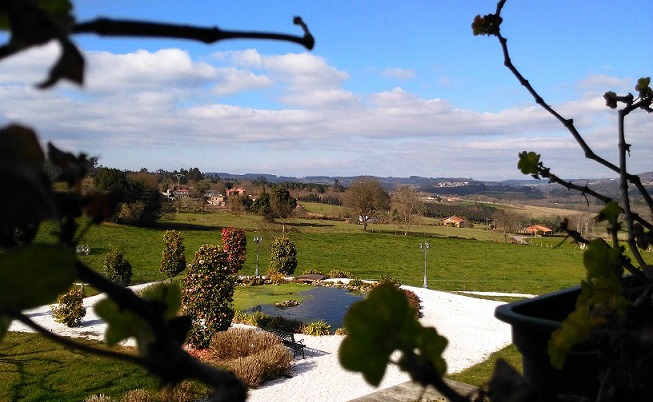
390,89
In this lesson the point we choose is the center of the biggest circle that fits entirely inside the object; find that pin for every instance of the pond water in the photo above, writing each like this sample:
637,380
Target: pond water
323,303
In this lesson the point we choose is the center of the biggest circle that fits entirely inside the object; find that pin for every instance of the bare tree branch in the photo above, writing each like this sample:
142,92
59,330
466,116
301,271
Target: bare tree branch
109,27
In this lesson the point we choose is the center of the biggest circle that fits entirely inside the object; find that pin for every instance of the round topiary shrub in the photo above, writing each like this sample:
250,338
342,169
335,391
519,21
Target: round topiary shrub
117,268
208,295
283,256
70,309
173,256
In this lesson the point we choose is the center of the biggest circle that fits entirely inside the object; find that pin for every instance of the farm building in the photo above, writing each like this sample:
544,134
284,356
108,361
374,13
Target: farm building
454,221
538,230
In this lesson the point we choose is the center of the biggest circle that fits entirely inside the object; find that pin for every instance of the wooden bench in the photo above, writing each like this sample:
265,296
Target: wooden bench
288,339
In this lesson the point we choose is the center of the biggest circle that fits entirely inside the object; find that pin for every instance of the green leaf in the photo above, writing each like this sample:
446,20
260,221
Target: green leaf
610,213
529,163
601,260
35,275
599,302
381,324
26,192
432,346
123,324
169,294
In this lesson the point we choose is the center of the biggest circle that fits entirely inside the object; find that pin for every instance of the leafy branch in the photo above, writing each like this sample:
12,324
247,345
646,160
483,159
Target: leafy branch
529,164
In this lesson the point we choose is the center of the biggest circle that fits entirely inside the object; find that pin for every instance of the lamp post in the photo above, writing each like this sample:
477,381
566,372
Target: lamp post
424,247
83,250
257,240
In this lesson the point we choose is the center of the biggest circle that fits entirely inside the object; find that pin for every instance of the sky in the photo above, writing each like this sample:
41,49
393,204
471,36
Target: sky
391,88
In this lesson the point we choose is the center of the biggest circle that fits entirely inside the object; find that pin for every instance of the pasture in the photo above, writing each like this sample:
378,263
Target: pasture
458,259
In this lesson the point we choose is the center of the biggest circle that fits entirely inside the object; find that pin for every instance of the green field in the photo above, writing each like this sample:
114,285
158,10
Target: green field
458,259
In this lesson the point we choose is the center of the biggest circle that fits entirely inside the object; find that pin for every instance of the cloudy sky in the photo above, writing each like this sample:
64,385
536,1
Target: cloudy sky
392,88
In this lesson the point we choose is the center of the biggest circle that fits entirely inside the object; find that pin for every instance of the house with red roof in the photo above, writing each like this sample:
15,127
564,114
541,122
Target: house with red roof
538,230
454,221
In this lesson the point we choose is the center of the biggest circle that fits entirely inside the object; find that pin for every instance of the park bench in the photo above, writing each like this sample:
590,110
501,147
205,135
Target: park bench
288,339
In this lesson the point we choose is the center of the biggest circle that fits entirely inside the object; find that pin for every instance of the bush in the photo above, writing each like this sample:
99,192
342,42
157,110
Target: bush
117,268
318,328
312,271
414,302
275,277
250,281
173,256
252,355
208,295
234,243
283,256
70,309
341,331
336,273
357,285
389,279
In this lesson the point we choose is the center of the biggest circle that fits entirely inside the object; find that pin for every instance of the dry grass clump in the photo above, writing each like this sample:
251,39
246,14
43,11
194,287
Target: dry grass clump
267,364
253,356
98,398
139,395
240,342
185,391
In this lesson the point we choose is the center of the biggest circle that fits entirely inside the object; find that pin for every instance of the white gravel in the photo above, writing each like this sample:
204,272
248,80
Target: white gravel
467,322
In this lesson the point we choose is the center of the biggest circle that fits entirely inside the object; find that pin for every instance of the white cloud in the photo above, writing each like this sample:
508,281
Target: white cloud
300,71
232,81
398,73
144,69
305,119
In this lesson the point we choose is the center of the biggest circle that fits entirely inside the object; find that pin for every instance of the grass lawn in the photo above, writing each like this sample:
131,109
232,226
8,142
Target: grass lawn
479,374
33,368
458,259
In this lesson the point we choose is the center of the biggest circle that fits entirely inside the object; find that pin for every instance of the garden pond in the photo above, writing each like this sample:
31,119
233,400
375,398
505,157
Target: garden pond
329,304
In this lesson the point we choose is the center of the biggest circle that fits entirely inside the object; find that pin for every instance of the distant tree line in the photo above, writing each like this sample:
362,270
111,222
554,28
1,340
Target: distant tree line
478,213
322,199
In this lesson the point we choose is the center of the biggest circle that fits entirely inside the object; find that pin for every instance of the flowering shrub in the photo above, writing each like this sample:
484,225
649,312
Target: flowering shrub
234,243
208,294
70,308
283,256
173,256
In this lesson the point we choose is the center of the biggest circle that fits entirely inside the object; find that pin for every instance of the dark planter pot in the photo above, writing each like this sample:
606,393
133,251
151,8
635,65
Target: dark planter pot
533,321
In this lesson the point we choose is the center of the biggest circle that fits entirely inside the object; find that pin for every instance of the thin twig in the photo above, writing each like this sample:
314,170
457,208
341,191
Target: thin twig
109,27
568,123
